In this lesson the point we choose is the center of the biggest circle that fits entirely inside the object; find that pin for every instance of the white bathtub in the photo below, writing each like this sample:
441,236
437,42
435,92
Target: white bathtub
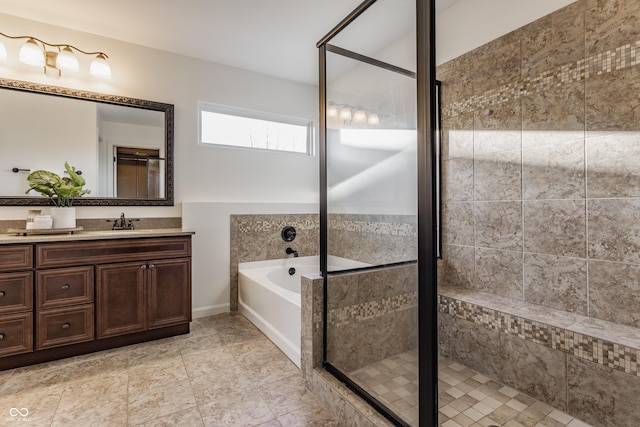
270,297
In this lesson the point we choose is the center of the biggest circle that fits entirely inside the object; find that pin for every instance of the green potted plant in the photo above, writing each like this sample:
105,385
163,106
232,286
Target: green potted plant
61,192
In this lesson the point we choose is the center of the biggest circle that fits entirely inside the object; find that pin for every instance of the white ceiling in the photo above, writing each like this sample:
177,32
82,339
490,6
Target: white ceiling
274,37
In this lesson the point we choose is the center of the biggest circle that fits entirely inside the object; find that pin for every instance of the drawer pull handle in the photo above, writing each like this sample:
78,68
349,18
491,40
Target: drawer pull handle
65,326
65,287
2,294
143,267
152,266
1,336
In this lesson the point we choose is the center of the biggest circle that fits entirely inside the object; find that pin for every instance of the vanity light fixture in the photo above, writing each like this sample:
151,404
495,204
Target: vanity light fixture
64,58
351,115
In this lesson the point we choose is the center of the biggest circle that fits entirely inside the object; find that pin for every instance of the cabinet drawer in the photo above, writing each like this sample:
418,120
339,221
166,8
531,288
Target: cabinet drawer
15,257
16,334
64,286
62,326
16,292
107,251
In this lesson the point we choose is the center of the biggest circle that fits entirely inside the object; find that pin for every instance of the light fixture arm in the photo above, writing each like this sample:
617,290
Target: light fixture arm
53,45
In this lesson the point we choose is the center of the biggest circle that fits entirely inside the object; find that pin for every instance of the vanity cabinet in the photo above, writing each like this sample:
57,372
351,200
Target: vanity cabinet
16,299
64,298
142,295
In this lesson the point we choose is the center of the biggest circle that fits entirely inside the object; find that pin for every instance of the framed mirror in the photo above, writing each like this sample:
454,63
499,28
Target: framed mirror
123,146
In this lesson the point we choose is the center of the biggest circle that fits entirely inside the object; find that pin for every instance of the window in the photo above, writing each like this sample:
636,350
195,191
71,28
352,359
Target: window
234,127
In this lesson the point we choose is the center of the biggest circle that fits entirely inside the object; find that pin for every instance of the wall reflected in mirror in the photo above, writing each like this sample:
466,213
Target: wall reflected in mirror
123,146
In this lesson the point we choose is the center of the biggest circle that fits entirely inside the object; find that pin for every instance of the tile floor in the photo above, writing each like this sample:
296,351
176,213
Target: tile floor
466,398
224,373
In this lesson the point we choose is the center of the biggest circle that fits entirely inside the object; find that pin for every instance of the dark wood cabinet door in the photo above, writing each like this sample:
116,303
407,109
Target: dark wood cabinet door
16,292
120,298
169,292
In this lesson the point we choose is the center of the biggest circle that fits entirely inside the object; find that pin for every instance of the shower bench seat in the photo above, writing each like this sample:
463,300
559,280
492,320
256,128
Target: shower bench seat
584,366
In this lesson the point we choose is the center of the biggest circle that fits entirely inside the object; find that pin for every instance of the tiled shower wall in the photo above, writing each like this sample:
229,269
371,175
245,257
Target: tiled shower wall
541,162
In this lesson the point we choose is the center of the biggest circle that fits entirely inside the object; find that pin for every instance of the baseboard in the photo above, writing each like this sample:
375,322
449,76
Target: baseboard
210,310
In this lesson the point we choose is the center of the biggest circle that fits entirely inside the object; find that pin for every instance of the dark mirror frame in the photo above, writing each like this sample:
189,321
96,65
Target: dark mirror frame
167,109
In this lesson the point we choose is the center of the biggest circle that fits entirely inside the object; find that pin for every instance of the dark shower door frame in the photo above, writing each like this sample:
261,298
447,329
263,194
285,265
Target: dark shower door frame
427,219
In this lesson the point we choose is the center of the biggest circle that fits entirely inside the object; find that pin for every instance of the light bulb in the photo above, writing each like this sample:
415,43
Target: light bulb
332,111
345,113
360,116
100,67
373,119
31,54
66,60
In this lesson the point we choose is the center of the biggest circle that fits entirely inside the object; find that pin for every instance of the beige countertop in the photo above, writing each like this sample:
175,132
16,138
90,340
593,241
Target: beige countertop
6,239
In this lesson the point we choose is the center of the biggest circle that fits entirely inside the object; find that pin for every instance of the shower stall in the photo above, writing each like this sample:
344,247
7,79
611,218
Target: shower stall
377,113
533,319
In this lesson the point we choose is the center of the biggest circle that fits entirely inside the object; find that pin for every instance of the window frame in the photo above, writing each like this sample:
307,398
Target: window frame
210,107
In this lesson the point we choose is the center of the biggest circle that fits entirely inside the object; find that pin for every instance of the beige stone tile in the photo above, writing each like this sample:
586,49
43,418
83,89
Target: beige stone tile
458,179
498,176
458,223
37,404
27,381
271,423
499,272
199,343
554,40
556,282
239,408
157,402
554,171
610,24
613,290
153,351
499,131
312,417
459,266
613,164
219,382
235,328
614,230
262,361
187,418
457,137
499,225
154,374
287,395
97,410
556,227
611,104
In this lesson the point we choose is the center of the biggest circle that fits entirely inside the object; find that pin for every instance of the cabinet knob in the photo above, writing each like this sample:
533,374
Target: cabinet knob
143,266
2,294
65,287
65,326
152,266
1,336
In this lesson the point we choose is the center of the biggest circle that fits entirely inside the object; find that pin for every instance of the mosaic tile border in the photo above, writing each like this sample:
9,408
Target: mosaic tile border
374,227
274,225
627,55
606,353
368,310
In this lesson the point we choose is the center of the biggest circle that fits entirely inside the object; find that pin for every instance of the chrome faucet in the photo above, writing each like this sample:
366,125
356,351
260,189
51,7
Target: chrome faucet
292,251
122,223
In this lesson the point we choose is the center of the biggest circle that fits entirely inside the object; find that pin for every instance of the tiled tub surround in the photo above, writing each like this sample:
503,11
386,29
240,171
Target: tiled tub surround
580,365
374,239
257,238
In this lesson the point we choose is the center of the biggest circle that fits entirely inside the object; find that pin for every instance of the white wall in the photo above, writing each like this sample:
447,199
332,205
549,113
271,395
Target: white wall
222,180
211,243
30,124
469,24
201,173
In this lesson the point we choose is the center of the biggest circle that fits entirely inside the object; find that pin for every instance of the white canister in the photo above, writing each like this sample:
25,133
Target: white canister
43,222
